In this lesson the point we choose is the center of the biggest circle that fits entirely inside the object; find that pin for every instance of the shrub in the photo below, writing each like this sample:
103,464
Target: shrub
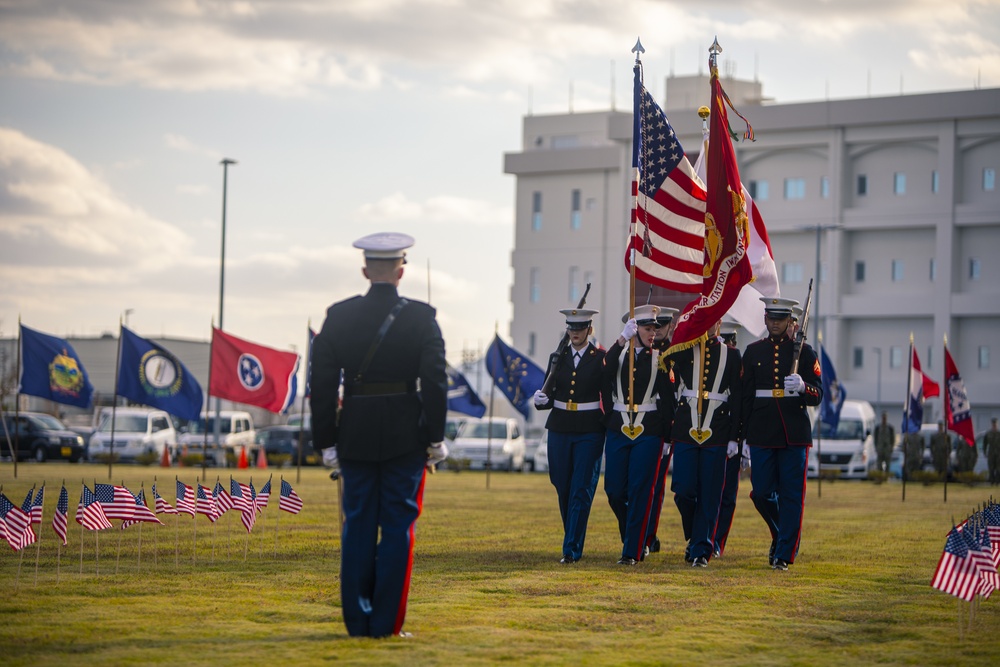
878,476
279,460
926,477
970,478
105,458
457,464
147,458
191,460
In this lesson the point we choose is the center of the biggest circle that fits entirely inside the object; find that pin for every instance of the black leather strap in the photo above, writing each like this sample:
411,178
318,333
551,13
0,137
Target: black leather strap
389,319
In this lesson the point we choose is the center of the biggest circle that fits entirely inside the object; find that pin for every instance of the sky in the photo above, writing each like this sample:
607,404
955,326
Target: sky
348,117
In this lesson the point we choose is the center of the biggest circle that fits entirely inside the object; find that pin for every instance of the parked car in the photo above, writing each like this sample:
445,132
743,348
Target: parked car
298,419
136,431
285,440
850,449
535,436
497,442
235,431
40,437
451,426
541,460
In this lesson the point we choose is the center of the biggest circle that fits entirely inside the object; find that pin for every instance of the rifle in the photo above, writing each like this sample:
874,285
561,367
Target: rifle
550,374
800,335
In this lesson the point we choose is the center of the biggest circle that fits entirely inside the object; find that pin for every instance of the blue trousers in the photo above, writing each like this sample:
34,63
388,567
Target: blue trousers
659,489
629,473
727,508
381,504
778,476
574,468
699,474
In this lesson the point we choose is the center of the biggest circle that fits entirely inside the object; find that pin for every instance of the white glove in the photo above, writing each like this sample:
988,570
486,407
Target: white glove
436,453
630,329
330,458
666,450
745,459
794,383
732,449
539,398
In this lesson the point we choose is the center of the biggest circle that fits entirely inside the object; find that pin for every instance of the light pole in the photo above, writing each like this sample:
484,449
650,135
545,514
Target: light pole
815,314
878,382
128,311
222,284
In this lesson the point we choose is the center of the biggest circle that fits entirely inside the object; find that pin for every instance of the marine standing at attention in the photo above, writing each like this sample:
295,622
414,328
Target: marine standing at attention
388,431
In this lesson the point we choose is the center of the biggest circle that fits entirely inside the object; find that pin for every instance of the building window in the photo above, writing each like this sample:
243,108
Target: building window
824,187
822,272
899,183
975,268
859,357
574,284
791,272
930,357
897,270
535,287
984,356
758,190
574,216
989,179
795,188
531,344
933,270
859,272
935,181
536,211
588,278
895,357
862,184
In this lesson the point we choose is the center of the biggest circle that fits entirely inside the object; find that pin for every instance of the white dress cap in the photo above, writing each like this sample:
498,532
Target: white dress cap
384,245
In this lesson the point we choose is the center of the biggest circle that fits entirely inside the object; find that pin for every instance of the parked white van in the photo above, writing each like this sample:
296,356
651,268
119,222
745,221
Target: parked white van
137,431
850,450
236,430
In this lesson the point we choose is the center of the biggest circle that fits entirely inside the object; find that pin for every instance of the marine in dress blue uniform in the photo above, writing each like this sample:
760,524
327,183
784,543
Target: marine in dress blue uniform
705,434
575,428
637,425
388,430
661,341
776,425
734,464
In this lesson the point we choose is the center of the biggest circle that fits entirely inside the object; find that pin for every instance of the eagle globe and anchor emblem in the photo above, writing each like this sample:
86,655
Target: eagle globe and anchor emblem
251,372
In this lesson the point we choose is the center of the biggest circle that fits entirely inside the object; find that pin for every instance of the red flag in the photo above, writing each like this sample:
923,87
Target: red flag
726,265
252,374
957,410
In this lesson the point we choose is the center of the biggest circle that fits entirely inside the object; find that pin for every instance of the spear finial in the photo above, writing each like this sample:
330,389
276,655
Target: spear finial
637,49
713,55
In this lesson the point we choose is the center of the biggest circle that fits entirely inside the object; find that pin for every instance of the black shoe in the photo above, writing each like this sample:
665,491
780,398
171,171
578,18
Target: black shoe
624,560
700,561
687,554
655,546
568,560
779,564
770,552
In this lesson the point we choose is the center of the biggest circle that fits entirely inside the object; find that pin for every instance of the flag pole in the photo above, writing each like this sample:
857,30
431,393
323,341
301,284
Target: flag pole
114,403
947,464
489,422
83,485
38,540
302,410
204,426
906,416
17,405
819,426
636,174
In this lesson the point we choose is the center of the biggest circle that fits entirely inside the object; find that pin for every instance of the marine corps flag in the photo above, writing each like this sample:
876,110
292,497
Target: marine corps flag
50,369
149,374
957,410
461,396
726,265
252,374
516,375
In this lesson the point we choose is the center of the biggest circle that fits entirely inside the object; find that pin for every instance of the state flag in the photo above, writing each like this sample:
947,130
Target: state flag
252,374
150,374
514,374
51,369
957,410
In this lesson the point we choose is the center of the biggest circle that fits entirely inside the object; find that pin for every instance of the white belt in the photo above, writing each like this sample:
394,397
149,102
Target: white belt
638,407
707,395
577,407
775,393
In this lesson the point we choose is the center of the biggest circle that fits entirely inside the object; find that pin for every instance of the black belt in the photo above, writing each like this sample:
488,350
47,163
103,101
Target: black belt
379,388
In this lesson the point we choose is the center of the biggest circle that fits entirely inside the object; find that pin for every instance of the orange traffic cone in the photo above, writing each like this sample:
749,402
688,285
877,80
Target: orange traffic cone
165,459
242,463
261,458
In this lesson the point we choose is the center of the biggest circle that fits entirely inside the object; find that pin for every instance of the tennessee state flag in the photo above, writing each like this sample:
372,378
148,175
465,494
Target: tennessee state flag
252,374
726,265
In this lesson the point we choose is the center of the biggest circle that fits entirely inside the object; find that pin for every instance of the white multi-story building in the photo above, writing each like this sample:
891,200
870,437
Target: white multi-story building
895,198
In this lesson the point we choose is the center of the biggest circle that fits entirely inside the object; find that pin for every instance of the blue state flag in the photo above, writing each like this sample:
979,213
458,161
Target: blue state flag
461,397
50,369
515,374
151,375
833,394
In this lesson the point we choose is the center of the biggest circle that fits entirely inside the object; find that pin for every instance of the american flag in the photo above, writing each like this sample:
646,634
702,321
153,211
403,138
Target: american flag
117,501
162,506
61,517
36,506
956,573
206,503
289,500
185,498
248,515
264,495
236,495
222,499
90,513
26,505
981,557
992,516
16,524
142,513
668,231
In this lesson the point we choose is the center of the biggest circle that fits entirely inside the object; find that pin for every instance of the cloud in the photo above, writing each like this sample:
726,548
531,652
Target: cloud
185,145
442,209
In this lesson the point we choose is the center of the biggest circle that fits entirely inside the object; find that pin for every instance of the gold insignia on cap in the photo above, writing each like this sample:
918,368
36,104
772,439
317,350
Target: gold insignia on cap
574,312
774,301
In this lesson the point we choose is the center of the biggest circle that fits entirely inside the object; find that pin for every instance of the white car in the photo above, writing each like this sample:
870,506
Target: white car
850,450
541,460
235,431
497,443
136,431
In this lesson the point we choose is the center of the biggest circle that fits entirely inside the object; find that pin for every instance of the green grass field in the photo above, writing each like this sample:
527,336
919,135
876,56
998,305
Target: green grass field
487,585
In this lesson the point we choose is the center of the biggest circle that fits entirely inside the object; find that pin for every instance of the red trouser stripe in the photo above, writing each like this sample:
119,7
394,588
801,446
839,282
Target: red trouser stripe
802,513
401,612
